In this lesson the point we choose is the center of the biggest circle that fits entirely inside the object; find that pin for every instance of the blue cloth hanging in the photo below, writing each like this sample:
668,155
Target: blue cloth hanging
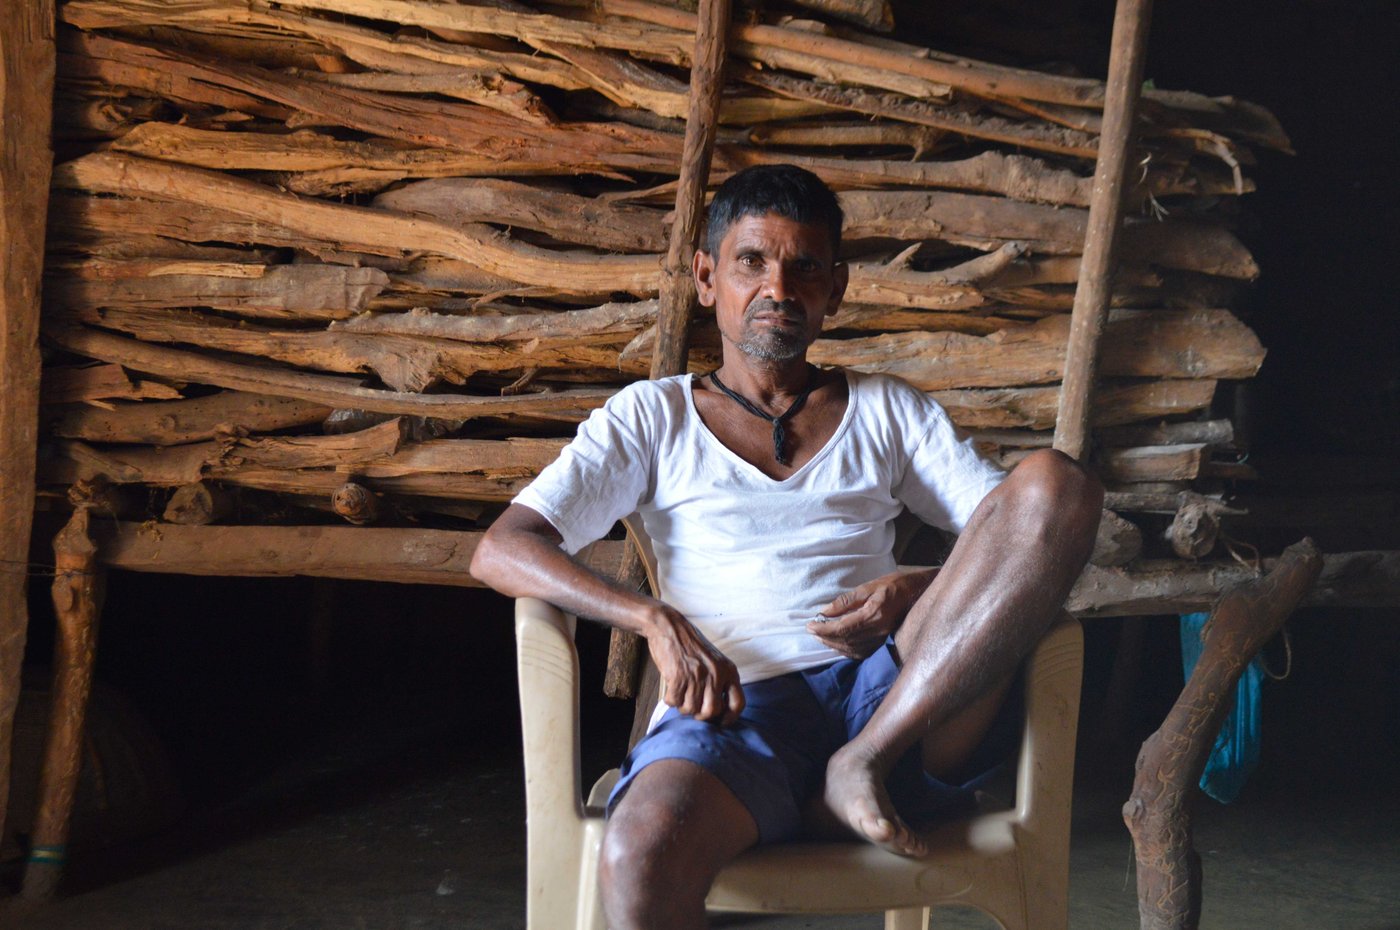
1236,752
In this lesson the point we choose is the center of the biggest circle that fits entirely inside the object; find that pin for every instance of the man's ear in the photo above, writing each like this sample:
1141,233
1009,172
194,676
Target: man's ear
840,277
703,268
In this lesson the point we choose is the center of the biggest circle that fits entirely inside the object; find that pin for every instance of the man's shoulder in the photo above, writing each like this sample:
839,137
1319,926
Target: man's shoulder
653,394
892,394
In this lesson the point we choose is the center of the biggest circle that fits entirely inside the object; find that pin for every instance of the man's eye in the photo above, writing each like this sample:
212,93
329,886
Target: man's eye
749,260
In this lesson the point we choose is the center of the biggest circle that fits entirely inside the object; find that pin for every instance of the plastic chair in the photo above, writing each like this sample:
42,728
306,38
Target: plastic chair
1012,864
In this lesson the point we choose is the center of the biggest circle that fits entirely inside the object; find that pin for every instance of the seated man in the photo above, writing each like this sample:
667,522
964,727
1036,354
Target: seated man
808,682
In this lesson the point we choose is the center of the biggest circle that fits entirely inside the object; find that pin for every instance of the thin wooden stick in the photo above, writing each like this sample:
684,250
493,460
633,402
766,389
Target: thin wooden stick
1091,297
77,601
26,105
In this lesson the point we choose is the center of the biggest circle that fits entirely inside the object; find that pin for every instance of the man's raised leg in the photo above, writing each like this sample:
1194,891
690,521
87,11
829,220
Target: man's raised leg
1003,584
668,838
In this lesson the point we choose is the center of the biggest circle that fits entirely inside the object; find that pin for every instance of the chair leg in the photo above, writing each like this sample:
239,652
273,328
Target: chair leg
909,918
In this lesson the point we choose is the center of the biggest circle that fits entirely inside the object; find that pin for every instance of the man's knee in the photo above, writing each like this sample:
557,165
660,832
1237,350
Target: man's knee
1059,490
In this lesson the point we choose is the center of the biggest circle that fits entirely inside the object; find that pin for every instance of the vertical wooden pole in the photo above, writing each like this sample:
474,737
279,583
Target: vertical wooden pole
1091,297
26,159
1169,766
677,301
77,601
677,298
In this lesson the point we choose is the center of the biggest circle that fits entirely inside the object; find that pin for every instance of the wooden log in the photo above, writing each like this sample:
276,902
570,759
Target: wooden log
1210,432
77,598
1159,811
71,384
1031,134
610,320
628,83
1152,463
564,216
1118,542
404,363
1170,344
290,292
828,134
356,503
1131,21
990,222
399,555
569,406
316,163
1036,407
26,156
198,504
357,228
482,87
1195,526
176,422
872,14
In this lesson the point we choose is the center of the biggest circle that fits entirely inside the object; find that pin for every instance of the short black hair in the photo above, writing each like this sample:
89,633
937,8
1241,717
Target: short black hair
786,190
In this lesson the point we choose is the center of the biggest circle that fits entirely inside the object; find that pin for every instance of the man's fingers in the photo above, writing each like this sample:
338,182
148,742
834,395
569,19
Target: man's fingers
735,695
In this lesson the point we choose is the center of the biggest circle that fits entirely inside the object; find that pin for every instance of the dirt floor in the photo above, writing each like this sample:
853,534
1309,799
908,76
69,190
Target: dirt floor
392,827
382,790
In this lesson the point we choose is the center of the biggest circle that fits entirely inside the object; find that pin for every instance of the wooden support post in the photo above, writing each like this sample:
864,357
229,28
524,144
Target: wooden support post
1158,813
77,601
677,300
1095,287
26,159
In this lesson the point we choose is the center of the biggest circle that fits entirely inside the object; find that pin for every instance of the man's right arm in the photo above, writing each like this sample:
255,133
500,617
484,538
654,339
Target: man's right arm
520,556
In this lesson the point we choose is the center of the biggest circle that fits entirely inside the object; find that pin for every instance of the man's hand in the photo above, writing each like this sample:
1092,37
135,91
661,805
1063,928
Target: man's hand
699,681
861,619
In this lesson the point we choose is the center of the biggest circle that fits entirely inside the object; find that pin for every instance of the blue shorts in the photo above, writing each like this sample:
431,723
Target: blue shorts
774,757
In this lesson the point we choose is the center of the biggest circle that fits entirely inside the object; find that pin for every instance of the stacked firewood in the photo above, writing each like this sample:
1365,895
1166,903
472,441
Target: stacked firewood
375,258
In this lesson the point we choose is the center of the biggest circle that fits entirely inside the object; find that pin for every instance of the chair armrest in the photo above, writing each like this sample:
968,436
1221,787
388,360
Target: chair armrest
547,665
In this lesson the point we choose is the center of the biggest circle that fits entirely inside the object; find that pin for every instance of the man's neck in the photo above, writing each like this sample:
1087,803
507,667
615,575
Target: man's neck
767,383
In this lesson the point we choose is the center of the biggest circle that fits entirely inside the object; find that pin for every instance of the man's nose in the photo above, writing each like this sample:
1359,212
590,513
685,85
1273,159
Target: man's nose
778,285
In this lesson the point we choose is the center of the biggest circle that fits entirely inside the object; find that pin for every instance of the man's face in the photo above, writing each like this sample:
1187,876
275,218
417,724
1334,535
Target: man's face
771,284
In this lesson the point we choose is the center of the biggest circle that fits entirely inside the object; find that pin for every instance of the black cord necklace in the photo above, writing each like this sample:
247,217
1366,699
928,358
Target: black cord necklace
780,421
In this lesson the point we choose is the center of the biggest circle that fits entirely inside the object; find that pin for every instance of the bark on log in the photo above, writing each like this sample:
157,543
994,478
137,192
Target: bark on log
77,598
544,327
175,422
1159,811
26,104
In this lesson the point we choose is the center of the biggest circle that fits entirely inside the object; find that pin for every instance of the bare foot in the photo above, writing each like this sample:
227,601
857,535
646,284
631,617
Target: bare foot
855,795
